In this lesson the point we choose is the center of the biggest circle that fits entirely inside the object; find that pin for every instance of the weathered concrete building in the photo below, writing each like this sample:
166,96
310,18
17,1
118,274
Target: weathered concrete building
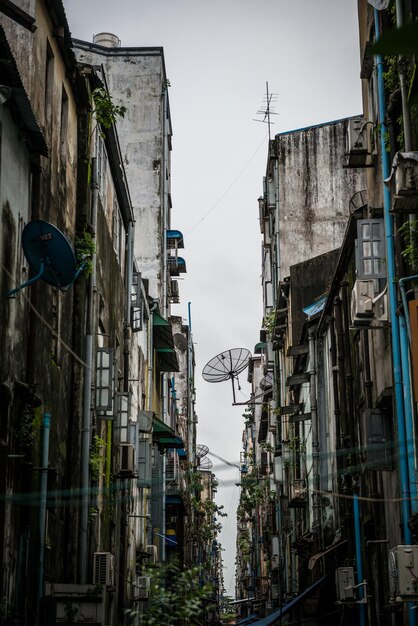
136,78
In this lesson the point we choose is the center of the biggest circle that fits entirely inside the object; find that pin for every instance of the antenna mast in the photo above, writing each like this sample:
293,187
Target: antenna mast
267,109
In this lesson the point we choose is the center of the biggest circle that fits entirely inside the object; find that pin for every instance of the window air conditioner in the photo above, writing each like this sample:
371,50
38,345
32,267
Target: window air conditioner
345,584
103,569
143,586
356,143
403,573
126,458
406,185
153,553
362,302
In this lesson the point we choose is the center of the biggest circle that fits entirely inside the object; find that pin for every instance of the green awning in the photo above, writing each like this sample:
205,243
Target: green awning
165,436
162,332
259,347
167,360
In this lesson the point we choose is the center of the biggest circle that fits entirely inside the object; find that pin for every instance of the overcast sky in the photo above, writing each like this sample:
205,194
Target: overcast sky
219,55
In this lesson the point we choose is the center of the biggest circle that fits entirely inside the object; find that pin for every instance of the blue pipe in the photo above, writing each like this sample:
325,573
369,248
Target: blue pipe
396,352
46,423
409,427
359,559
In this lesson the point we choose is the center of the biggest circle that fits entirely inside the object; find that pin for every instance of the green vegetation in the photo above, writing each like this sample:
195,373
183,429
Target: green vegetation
105,111
176,595
96,458
85,248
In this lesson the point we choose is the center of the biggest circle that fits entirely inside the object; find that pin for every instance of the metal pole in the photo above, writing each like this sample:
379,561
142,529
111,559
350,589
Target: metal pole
46,423
85,433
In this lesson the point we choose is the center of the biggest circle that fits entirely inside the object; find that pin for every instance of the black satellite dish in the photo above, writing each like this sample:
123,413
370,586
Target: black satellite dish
201,450
205,463
50,256
227,365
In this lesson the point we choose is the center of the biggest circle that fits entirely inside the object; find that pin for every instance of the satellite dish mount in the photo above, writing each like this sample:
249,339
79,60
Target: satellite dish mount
50,256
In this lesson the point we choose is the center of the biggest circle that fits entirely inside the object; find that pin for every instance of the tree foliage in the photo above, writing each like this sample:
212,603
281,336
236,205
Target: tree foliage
176,595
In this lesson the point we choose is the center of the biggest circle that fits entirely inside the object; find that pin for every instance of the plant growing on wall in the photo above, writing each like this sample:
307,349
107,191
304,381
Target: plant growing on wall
96,458
176,595
85,248
104,109
409,236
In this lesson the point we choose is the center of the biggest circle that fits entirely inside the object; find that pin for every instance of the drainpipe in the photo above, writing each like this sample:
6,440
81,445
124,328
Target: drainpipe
405,329
46,423
359,559
396,356
87,395
150,354
315,438
409,426
127,329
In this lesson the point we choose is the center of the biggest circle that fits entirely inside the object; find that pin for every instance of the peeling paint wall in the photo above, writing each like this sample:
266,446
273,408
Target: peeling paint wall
314,191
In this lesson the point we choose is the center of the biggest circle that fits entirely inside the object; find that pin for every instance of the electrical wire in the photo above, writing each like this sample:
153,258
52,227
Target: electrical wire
228,189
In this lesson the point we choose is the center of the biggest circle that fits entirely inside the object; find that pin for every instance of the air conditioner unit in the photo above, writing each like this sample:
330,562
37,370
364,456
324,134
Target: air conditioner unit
362,302
345,584
403,573
103,569
143,587
126,458
174,292
356,143
406,185
153,553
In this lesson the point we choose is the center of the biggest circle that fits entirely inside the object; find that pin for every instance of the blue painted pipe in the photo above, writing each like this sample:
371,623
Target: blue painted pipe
359,559
396,350
46,423
409,427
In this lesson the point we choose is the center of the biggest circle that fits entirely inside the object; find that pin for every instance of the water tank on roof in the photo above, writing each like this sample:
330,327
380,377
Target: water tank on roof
108,40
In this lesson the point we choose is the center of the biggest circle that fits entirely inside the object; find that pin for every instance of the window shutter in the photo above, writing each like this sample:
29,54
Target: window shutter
371,249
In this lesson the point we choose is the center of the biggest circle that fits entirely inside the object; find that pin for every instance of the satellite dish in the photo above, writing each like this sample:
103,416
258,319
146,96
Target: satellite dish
266,382
180,342
50,255
227,365
201,450
205,463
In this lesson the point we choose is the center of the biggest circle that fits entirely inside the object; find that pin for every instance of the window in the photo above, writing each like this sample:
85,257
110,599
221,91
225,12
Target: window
370,249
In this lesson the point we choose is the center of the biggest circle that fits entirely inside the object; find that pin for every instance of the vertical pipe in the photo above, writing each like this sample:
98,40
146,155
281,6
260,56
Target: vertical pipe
397,374
359,559
46,424
85,433
409,427
315,437
390,252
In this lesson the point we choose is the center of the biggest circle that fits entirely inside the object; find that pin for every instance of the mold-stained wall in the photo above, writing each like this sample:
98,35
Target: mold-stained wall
136,79
314,191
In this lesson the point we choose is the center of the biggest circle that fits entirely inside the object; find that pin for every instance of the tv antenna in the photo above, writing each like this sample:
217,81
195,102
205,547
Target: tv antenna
227,365
50,256
266,109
